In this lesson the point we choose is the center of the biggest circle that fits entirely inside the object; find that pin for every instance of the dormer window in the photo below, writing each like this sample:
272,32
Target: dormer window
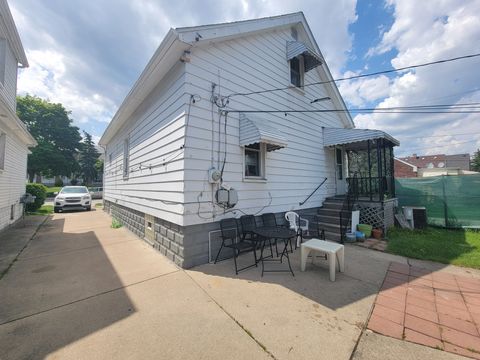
297,71
302,59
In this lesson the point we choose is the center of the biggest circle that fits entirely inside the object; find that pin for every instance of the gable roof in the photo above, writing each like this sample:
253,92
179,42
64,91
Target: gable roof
406,163
179,40
12,34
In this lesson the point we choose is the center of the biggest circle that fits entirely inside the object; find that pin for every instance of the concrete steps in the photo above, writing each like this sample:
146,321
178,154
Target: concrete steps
329,218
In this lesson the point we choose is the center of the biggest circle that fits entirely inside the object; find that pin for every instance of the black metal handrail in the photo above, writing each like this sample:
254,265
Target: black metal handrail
313,192
350,198
373,188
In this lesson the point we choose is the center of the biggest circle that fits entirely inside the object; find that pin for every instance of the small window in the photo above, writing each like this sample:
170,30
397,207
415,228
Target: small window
12,212
339,156
110,158
297,71
126,154
3,143
254,160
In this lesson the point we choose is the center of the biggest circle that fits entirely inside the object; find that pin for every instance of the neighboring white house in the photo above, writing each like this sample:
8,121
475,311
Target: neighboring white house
14,137
191,111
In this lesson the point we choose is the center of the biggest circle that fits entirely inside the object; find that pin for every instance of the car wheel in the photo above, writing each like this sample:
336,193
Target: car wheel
89,208
55,210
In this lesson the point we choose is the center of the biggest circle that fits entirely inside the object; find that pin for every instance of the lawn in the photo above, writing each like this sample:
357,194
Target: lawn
44,210
457,247
53,189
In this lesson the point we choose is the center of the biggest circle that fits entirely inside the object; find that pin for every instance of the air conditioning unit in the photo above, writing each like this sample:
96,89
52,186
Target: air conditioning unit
416,216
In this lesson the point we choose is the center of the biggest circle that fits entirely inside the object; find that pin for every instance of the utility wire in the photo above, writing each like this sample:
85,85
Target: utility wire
473,107
361,75
435,136
443,146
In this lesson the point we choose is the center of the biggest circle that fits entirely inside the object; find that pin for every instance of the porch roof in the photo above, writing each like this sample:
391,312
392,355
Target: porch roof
340,136
256,130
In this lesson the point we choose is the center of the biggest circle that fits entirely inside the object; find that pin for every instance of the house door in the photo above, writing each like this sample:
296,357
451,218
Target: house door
340,171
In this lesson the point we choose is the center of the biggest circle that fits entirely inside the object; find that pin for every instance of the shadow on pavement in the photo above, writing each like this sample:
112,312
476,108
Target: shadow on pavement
59,278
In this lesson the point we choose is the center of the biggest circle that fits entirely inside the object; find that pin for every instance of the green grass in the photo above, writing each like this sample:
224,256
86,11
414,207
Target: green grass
44,210
457,247
53,189
98,205
116,224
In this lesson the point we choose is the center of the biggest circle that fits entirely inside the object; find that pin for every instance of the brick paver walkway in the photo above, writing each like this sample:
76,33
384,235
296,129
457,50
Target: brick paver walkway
374,244
435,309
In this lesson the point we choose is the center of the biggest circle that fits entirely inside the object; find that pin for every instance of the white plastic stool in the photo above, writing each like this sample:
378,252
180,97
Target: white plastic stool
333,250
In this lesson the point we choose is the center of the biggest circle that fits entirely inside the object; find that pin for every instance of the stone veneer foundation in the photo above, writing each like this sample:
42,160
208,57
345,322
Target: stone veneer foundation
187,246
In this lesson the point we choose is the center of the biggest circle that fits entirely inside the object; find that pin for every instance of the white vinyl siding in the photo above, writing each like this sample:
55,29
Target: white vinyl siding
12,178
8,74
251,63
156,135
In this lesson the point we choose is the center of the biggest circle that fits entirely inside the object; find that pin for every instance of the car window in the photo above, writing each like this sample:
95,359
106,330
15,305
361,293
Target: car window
74,190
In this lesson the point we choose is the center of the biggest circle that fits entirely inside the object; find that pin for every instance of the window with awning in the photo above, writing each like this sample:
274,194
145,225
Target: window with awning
298,49
256,130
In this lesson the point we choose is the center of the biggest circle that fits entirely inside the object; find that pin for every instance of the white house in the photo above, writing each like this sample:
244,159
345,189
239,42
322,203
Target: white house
243,106
14,137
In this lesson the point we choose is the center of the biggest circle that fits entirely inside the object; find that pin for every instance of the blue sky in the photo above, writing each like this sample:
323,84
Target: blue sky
87,55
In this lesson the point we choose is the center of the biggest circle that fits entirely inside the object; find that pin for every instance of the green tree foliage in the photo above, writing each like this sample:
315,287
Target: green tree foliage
475,164
40,193
99,168
88,158
58,140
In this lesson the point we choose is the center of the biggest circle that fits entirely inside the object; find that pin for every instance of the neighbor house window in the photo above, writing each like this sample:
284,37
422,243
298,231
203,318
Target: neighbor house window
297,71
254,161
3,143
126,154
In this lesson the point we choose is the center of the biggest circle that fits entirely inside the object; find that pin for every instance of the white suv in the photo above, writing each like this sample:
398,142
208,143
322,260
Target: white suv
73,198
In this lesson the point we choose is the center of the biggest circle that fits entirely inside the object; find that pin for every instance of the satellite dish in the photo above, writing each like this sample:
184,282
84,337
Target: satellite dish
441,164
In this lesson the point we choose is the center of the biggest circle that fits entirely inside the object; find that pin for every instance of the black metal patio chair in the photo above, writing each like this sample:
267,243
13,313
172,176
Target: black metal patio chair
269,219
249,225
229,230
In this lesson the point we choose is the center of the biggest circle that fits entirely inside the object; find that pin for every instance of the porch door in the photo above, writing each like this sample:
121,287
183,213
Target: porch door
340,171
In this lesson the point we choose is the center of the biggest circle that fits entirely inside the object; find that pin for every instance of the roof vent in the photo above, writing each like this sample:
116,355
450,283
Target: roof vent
294,33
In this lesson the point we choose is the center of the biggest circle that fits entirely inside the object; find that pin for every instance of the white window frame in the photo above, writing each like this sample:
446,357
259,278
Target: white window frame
301,61
262,159
126,158
3,150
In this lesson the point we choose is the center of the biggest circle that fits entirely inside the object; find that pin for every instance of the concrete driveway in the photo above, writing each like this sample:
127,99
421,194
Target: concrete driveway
82,290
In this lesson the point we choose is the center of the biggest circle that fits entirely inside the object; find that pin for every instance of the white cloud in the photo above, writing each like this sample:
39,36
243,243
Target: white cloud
87,54
364,90
47,78
425,31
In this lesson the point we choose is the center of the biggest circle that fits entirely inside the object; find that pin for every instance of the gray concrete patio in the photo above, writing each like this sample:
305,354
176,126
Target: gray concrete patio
81,290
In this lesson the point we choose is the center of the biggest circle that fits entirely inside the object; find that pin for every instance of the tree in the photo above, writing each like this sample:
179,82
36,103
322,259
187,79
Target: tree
475,163
58,140
88,158
99,168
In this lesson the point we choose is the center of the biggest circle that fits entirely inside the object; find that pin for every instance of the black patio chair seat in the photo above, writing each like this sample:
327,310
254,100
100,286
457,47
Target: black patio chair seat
229,231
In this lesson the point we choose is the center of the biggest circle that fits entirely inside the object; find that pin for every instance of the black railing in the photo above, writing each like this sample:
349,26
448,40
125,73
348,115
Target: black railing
372,188
350,198
313,192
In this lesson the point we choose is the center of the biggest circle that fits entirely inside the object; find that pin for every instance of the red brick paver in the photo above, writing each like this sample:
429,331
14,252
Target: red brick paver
431,308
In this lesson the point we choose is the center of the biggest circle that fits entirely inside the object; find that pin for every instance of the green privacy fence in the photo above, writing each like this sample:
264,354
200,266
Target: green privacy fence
451,201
